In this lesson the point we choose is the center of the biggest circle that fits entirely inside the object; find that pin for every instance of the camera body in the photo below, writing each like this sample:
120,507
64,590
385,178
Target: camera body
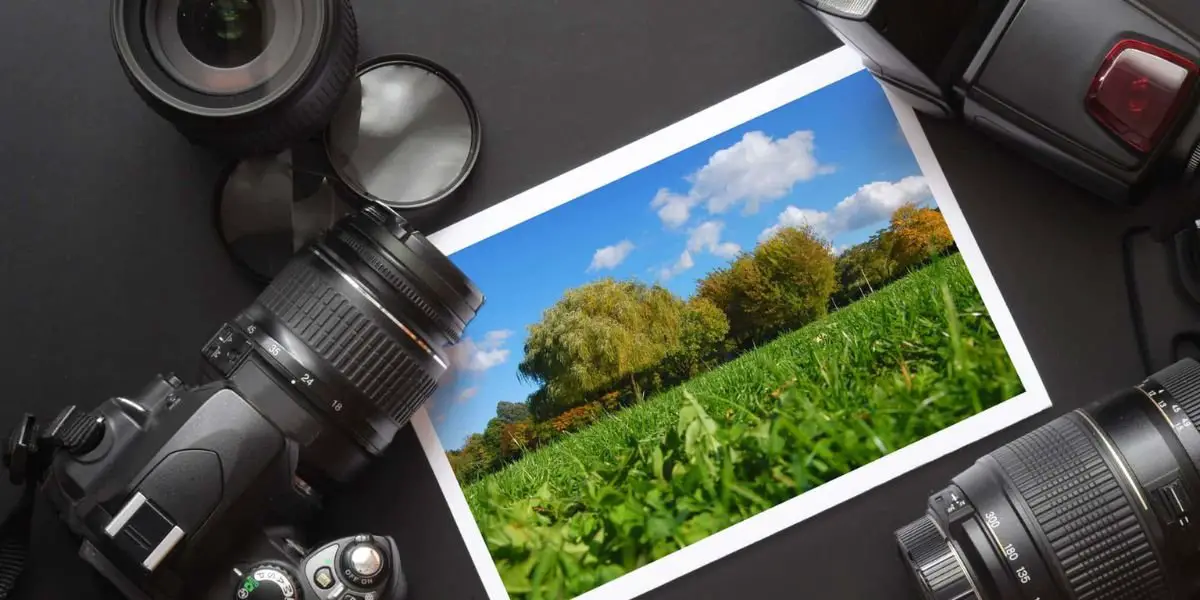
1101,91
205,464
188,492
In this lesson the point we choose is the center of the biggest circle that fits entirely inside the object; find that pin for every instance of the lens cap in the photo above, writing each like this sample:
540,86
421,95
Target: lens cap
406,134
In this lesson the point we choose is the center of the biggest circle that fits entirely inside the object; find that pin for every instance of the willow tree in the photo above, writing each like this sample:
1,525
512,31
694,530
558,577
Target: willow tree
599,333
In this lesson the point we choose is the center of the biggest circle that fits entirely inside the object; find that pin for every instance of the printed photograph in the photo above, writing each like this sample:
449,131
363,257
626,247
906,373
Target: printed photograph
708,338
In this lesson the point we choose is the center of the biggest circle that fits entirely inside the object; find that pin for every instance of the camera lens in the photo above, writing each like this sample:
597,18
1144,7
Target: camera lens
244,77
353,331
223,33
1097,504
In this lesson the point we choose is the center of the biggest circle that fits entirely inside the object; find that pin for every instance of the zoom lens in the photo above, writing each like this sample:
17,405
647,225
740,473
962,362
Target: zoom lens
349,340
1099,504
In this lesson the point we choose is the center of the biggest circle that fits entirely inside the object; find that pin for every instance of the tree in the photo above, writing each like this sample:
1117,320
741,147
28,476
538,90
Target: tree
512,412
702,334
920,234
596,334
869,264
783,285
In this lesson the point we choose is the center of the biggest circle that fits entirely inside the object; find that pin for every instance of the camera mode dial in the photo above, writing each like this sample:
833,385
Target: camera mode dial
364,562
267,582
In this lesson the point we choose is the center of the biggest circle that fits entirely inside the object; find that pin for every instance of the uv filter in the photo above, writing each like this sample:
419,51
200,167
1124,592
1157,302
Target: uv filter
268,208
405,135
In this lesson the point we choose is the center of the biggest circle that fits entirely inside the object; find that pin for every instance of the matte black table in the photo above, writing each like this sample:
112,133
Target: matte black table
112,271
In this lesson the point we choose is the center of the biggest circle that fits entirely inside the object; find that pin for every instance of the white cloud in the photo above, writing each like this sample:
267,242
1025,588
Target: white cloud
684,263
757,169
727,250
494,338
673,209
872,203
797,217
481,355
467,394
609,257
706,237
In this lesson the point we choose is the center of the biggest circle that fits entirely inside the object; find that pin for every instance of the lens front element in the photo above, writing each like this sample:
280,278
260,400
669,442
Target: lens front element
223,33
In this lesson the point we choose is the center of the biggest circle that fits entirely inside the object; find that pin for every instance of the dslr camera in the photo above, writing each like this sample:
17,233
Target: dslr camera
1101,91
197,491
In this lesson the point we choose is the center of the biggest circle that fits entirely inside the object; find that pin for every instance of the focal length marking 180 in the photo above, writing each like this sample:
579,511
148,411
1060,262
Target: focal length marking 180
996,522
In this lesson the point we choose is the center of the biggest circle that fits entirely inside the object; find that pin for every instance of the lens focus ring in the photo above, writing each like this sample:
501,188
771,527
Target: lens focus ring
311,305
1087,519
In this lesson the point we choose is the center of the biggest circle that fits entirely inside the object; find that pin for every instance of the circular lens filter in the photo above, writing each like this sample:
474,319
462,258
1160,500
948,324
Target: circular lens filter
267,209
406,133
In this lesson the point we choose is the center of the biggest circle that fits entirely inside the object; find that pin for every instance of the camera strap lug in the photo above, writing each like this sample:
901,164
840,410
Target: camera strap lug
27,455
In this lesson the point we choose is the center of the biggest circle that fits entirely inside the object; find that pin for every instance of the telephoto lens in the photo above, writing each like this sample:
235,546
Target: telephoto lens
1095,505
243,77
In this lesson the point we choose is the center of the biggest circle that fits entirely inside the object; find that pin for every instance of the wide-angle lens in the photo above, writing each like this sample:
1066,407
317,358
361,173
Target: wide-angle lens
1097,504
223,33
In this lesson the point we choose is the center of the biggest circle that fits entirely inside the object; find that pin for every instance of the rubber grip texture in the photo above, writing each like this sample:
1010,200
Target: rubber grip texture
1078,503
305,300
370,256
929,554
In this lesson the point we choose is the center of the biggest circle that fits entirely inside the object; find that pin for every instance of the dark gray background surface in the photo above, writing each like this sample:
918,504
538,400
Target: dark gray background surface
112,271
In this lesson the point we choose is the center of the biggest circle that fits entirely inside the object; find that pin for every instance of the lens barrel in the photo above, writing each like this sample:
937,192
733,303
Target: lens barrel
354,330
1099,504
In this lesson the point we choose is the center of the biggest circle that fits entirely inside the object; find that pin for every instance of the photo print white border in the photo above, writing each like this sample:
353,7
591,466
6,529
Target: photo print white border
764,98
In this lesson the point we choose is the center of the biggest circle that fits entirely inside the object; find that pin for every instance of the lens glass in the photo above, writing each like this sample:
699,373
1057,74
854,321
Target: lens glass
405,135
223,33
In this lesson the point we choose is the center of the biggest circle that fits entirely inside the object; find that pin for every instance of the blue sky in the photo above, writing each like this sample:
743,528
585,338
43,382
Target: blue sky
834,159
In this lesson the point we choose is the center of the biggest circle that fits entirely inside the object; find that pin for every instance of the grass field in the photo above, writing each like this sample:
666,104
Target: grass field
817,403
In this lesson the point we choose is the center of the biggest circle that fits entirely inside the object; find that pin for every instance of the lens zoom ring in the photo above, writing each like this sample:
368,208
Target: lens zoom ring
1182,382
304,301
370,257
1078,502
